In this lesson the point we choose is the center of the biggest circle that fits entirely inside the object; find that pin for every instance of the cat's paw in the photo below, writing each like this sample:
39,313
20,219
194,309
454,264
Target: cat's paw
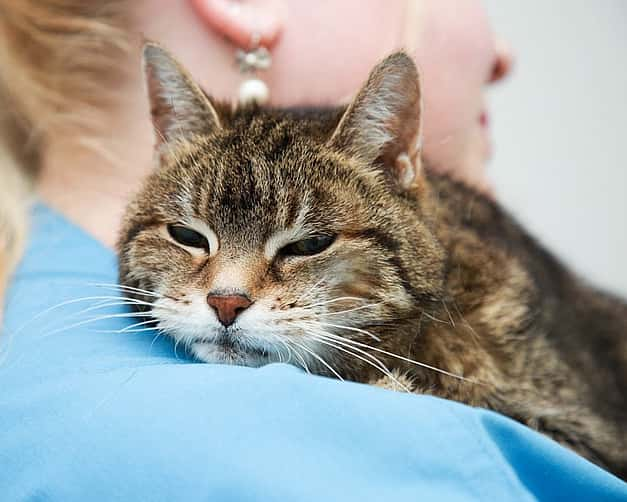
398,380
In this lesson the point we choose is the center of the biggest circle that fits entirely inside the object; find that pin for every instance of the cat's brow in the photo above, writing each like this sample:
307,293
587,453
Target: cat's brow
138,227
280,239
203,228
294,232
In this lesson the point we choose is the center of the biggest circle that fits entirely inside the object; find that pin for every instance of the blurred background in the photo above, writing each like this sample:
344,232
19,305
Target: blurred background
560,130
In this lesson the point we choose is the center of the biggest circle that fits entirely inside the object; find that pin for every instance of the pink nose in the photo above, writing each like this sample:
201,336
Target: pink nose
228,307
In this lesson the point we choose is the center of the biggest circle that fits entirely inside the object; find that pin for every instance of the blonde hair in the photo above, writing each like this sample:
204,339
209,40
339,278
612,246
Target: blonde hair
54,56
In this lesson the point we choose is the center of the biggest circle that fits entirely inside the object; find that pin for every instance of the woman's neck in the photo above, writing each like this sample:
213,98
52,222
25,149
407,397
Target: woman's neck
89,177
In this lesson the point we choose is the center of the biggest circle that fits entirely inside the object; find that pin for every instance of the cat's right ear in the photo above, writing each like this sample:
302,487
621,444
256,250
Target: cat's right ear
178,106
383,124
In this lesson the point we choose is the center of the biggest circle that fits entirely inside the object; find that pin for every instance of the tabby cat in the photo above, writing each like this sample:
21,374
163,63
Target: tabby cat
319,237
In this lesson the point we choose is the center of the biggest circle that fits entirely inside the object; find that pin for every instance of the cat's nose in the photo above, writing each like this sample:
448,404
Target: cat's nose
228,307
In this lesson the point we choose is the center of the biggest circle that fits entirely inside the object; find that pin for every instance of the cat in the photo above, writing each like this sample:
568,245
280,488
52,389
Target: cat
319,237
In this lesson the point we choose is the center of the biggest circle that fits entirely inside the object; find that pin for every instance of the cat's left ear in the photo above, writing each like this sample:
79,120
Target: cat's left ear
383,123
178,106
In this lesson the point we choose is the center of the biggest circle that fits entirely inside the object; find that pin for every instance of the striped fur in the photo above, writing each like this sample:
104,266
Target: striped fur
426,270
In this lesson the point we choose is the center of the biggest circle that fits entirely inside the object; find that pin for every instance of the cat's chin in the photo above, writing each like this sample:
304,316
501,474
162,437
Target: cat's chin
210,352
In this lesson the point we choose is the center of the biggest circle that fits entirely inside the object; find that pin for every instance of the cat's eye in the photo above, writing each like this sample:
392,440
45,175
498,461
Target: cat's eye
308,247
188,237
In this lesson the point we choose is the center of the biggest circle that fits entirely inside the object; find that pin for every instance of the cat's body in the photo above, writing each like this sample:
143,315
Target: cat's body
552,350
318,237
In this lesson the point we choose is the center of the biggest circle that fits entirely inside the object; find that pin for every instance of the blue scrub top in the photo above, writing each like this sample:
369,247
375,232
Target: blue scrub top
91,412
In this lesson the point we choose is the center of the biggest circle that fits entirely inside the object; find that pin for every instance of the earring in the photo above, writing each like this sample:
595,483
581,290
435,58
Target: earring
253,90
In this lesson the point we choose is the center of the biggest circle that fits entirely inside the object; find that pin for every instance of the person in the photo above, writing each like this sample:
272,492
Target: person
125,417
318,58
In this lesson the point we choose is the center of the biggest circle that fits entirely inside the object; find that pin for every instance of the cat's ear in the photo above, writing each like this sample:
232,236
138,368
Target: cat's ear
383,123
178,106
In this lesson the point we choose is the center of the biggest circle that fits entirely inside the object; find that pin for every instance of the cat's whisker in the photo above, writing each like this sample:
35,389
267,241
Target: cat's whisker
133,328
319,358
58,306
406,359
473,332
287,351
290,353
363,307
94,319
176,344
433,318
104,302
114,302
138,324
119,331
306,293
448,312
279,354
123,301
301,360
122,287
155,338
284,344
133,290
101,306
320,332
369,359
334,300
351,328
375,363
188,341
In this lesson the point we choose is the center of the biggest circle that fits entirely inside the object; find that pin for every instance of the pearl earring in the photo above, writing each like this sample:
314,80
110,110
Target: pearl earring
253,90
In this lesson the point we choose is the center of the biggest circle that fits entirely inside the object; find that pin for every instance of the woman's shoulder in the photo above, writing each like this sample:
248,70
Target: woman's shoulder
97,402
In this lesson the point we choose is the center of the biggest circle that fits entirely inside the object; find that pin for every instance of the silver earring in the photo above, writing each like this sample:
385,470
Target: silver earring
253,89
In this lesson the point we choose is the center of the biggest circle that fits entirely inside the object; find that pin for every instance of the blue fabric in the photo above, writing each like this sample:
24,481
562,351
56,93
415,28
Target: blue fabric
88,413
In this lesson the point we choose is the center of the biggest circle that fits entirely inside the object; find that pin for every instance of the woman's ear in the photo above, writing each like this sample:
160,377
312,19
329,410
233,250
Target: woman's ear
178,106
383,123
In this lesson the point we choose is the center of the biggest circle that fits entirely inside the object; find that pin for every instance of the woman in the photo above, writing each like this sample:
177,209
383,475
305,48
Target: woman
79,98
112,416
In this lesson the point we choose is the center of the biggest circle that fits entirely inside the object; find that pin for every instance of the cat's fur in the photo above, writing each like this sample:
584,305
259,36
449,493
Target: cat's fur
423,267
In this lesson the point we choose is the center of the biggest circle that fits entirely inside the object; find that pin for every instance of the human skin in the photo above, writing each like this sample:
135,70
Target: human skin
318,59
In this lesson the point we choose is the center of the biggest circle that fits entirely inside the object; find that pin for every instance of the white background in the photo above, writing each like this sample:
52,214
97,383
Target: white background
560,129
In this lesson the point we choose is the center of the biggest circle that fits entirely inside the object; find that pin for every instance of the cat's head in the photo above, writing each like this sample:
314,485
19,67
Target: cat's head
267,235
